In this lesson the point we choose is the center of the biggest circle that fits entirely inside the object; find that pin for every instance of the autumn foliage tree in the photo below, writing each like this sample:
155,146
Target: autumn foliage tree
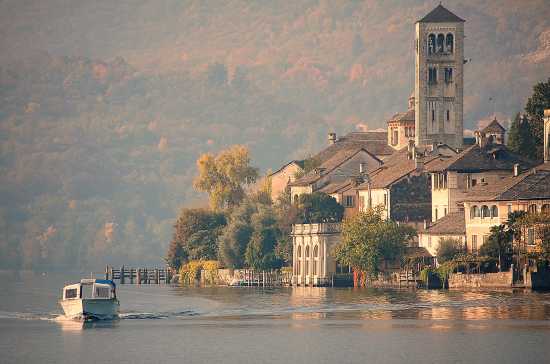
225,175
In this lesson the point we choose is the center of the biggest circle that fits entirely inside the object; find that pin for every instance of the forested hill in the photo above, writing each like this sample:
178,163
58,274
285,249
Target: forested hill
105,106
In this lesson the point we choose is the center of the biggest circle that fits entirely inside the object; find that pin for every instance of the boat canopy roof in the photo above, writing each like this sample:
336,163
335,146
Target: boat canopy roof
98,281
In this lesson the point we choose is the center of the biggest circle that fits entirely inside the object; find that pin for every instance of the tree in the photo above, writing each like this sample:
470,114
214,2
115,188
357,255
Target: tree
224,175
520,138
448,248
498,245
536,104
319,207
367,240
309,165
260,251
251,237
235,237
287,214
195,235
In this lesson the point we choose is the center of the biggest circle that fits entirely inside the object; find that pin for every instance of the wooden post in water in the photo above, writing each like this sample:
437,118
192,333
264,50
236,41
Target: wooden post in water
122,275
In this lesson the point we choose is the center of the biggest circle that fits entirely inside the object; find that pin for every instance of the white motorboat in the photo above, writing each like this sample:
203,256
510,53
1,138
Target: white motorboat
90,299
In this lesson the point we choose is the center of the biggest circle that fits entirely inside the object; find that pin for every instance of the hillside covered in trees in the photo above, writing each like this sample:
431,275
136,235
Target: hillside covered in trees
105,106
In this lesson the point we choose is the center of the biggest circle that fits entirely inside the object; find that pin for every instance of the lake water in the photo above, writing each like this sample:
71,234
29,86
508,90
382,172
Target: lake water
288,325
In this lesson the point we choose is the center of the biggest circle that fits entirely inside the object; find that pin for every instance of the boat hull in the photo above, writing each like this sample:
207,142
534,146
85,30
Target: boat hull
91,309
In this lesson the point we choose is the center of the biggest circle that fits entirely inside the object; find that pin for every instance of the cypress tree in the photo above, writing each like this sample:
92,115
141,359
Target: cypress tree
520,138
536,104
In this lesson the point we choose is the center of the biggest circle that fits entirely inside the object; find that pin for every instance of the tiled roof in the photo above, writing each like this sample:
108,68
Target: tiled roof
373,141
440,15
492,157
403,116
493,127
451,224
394,168
337,159
417,252
300,163
338,187
533,184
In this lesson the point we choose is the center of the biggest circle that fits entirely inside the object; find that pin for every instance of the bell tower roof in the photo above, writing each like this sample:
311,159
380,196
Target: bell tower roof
440,15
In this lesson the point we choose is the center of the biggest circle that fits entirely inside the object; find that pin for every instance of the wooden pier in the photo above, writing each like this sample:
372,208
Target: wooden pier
407,279
126,275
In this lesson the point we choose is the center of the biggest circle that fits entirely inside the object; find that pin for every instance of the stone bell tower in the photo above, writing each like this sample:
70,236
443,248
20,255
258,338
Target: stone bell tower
439,80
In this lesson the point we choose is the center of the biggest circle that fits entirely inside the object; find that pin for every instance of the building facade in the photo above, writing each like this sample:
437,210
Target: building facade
285,175
313,263
401,127
439,79
486,162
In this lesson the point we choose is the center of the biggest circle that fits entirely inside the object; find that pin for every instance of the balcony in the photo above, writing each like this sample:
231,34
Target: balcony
321,228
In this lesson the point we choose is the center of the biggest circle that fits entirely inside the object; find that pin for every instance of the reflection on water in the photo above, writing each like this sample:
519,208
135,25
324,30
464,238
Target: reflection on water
256,325
32,296
76,326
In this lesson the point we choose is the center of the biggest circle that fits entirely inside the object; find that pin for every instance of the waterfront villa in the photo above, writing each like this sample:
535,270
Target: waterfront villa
312,260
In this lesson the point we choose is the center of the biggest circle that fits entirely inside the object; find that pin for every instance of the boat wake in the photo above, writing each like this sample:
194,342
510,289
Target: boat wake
155,315
29,316
32,316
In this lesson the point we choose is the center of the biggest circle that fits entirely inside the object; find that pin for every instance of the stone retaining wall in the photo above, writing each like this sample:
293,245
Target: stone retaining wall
487,280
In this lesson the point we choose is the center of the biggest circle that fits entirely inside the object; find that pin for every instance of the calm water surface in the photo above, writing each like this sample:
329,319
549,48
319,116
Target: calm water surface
252,325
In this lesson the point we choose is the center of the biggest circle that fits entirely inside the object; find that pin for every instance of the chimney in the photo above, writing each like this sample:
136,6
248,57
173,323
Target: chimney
362,168
331,138
425,224
516,170
546,121
419,163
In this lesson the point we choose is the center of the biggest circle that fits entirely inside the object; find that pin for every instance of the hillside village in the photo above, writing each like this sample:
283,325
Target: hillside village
421,172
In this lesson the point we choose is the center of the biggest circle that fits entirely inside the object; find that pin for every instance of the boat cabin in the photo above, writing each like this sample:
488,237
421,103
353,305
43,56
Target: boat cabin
90,288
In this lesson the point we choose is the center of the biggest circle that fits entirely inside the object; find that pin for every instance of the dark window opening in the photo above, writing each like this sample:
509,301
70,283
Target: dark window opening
449,43
431,44
440,43
448,75
432,75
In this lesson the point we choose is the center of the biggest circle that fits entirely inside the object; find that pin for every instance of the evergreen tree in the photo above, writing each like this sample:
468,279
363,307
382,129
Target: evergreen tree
319,207
536,104
520,138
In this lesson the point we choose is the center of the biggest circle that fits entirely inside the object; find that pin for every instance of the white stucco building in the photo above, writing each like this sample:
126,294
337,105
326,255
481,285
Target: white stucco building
313,263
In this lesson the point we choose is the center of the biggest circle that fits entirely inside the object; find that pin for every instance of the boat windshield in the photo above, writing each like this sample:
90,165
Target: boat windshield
71,292
102,291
